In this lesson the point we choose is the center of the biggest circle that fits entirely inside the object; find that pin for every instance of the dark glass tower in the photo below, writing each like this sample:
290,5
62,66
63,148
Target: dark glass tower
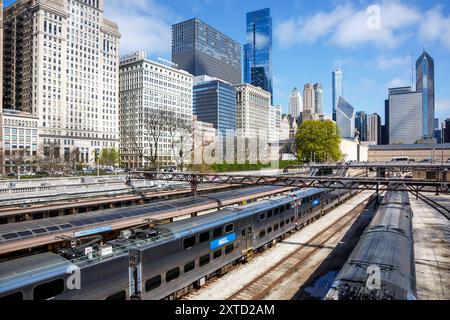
258,50
200,50
425,84
361,125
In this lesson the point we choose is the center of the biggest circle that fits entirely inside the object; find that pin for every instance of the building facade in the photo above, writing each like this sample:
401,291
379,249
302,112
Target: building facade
446,132
405,116
295,103
308,103
374,128
150,93
275,115
425,84
318,98
258,50
361,125
345,119
61,62
253,110
200,50
338,89
214,101
1,55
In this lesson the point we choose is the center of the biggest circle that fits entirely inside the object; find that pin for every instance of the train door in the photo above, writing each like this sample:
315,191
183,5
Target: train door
247,239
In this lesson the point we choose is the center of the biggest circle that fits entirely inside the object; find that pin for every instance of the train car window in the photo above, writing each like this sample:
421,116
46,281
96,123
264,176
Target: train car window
153,283
204,260
282,224
188,267
287,221
48,290
173,274
281,209
269,230
292,219
286,208
276,211
276,227
204,237
189,243
217,254
269,214
16,296
217,232
262,216
229,249
262,234
244,233
229,228
119,296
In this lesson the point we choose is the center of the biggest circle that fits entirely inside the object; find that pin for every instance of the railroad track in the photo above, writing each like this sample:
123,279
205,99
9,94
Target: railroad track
260,287
435,205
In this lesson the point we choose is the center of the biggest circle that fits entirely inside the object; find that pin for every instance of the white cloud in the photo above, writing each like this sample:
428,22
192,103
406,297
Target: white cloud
144,25
389,62
346,26
398,82
443,105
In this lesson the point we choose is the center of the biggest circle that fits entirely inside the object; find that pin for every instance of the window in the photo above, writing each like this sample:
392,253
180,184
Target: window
172,275
262,234
276,211
292,220
217,254
229,228
282,224
287,221
189,243
204,260
48,290
204,237
217,232
229,249
269,230
276,227
262,216
188,267
122,295
16,296
153,283
269,214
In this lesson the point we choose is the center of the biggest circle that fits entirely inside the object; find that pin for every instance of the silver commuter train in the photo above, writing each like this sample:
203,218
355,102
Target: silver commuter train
170,262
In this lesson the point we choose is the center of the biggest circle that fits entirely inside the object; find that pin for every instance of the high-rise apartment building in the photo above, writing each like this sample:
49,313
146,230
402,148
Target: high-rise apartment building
338,88
318,98
258,50
425,84
374,128
361,125
253,110
295,103
309,101
405,116
150,91
200,50
345,119
61,62
214,101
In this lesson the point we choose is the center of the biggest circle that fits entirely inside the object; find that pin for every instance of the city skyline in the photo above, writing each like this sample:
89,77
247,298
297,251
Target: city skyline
371,64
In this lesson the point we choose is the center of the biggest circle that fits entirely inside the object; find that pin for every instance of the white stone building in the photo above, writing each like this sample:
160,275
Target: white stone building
274,123
147,88
295,103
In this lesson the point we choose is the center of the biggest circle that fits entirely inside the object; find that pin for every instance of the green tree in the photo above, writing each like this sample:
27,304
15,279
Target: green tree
318,141
109,157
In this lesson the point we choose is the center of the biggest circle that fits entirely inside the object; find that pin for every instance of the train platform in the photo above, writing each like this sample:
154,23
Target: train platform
432,249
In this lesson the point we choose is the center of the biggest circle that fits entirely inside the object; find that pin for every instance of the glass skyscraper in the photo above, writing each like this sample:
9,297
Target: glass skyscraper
338,89
361,125
258,50
425,84
200,50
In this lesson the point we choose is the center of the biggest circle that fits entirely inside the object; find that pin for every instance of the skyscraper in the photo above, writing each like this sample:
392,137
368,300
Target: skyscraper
425,84
61,63
361,125
405,116
338,88
309,100
258,50
345,118
295,103
374,128
214,101
318,98
446,125
200,50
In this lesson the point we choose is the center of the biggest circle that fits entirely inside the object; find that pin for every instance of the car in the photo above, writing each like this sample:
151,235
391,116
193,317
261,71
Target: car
11,174
120,170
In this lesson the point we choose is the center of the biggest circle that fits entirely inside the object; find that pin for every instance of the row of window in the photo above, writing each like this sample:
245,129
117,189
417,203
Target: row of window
274,212
174,274
276,227
190,242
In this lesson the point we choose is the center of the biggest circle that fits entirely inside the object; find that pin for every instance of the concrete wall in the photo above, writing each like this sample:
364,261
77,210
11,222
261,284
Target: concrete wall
413,154
353,151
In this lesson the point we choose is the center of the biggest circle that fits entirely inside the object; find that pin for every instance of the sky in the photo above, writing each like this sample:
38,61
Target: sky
376,45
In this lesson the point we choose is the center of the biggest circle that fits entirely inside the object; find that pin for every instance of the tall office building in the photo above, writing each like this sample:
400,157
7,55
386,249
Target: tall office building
318,98
1,56
61,62
258,51
214,101
361,125
338,88
405,116
253,110
274,123
345,119
147,87
437,132
425,84
295,103
446,133
200,50
309,100
374,128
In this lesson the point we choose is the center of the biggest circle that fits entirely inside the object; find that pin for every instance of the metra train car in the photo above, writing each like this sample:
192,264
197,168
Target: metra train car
169,261
381,267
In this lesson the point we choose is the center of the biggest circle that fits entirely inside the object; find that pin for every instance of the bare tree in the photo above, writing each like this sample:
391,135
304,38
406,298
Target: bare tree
49,158
18,158
180,131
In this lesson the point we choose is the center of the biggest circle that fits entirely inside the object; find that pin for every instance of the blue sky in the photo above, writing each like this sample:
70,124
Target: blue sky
309,38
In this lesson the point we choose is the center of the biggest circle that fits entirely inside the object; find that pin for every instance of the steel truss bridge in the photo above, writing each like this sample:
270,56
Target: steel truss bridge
292,180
